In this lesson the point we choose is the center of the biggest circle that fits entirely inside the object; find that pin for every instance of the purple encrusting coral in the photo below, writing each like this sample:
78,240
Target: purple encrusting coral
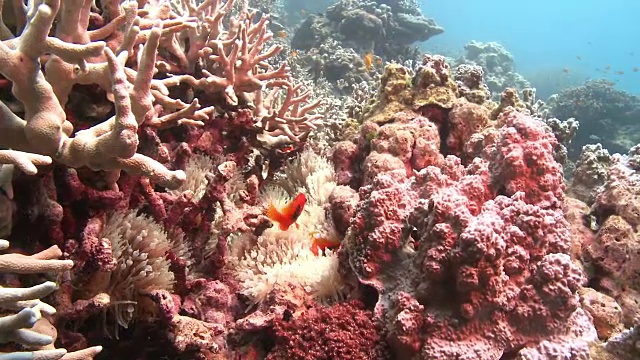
143,142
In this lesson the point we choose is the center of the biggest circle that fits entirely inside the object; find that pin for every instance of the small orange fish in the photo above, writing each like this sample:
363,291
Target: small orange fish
294,54
368,60
319,245
281,34
287,149
289,214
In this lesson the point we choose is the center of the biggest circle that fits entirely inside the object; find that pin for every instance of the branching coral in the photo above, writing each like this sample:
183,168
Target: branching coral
14,328
45,130
231,60
148,67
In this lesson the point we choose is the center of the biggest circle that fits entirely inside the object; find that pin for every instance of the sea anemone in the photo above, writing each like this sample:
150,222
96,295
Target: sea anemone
139,247
280,257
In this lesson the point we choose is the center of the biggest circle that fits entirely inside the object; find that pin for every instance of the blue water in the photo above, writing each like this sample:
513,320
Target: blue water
547,36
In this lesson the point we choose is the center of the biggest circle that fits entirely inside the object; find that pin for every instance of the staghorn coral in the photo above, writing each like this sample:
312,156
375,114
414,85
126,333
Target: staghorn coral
14,328
151,64
112,145
45,129
466,237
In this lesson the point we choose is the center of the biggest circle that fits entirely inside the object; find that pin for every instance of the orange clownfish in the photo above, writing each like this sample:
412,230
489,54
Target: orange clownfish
319,245
289,214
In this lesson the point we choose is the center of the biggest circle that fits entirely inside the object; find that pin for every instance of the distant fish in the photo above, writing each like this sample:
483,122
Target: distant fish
368,60
620,72
607,68
289,214
635,69
594,137
565,70
578,57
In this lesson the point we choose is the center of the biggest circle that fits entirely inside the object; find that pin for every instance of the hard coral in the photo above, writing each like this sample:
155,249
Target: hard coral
342,331
30,309
523,161
476,253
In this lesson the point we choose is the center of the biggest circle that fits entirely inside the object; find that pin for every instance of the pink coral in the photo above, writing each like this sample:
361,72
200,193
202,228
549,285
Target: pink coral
376,232
523,160
343,157
491,243
343,201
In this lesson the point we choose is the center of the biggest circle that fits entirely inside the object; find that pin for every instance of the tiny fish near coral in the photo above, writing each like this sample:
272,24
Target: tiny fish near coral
289,214
368,60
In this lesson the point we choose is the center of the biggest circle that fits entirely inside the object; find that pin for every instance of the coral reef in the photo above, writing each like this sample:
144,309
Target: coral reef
443,214
496,62
607,115
163,162
32,313
371,25
350,41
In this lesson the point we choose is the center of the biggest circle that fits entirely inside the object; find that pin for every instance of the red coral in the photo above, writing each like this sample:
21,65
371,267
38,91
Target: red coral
376,232
491,272
343,201
342,331
344,157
